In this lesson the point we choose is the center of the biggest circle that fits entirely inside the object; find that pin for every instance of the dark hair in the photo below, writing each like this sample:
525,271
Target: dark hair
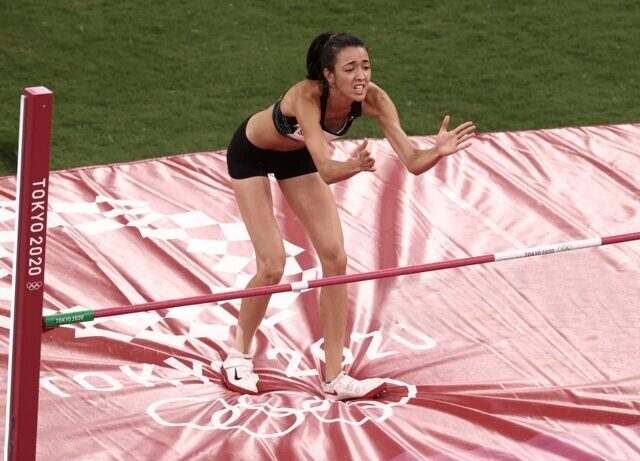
324,49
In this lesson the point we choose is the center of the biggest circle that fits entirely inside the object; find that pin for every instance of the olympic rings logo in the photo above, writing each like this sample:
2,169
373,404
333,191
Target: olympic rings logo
33,286
286,411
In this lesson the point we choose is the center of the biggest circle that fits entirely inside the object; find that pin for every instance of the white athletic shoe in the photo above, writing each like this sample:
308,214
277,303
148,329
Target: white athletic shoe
237,373
344,387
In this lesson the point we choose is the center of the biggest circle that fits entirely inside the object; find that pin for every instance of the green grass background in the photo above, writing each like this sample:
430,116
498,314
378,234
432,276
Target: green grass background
138,78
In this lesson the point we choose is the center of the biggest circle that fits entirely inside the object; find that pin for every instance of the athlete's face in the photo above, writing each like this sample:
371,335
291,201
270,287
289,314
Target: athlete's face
352,72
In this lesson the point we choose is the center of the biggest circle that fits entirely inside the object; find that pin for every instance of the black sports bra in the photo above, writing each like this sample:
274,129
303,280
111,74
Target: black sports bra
288,126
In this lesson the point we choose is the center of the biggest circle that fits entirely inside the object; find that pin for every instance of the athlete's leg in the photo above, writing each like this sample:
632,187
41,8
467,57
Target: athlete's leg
253,196
313,203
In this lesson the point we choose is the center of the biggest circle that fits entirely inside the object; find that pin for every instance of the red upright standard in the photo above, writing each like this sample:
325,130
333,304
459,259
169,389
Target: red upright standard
28,273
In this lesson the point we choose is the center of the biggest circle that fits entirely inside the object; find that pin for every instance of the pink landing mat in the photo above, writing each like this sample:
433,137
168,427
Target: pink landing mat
536,358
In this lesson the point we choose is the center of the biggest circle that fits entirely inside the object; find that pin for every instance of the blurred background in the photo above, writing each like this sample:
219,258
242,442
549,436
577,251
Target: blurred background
138,79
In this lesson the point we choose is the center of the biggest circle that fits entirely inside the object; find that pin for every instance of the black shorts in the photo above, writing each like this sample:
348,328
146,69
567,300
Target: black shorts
244,160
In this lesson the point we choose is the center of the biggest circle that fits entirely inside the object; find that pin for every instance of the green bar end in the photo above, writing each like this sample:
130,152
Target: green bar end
55,320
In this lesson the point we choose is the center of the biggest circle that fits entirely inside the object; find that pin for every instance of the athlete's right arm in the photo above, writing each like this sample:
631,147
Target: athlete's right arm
308,115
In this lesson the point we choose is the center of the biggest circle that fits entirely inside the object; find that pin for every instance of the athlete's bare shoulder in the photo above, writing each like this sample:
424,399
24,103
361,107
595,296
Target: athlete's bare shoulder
308,88
374,100
304,89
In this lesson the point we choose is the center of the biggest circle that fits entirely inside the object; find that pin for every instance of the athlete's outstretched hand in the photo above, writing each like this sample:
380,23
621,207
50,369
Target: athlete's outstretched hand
450,142
367,162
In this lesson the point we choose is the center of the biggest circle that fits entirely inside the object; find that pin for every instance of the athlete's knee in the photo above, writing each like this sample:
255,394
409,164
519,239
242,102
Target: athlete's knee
334,261
271,268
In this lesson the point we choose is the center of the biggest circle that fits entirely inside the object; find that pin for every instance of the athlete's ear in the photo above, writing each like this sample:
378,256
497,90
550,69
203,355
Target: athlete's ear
328,76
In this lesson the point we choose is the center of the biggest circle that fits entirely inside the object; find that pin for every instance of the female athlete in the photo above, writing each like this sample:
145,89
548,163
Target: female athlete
290,139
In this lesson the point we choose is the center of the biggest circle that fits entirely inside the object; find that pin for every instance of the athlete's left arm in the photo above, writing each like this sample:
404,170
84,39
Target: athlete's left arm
417,161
